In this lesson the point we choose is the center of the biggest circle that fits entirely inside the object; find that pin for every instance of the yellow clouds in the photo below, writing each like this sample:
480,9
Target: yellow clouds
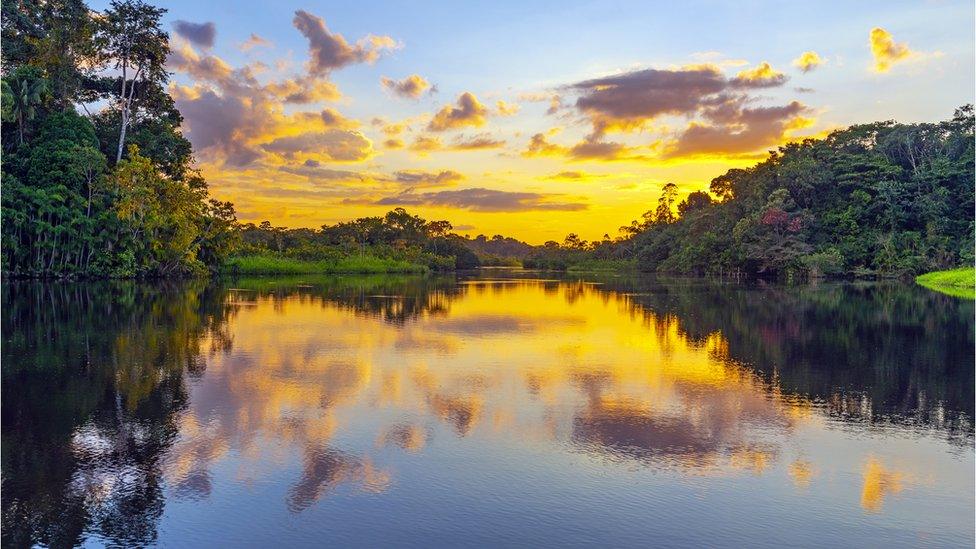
539,145
416,178
468,112
330,145
763,75
476,142
304,90
808,61
737,129
425,144
590,148
886,51
507,109
410,87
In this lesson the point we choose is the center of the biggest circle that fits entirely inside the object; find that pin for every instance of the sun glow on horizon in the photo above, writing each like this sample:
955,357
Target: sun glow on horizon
313,119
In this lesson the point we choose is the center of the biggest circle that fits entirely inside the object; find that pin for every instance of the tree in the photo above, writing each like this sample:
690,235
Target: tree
695,201
7,104
665,205
135,45
574,242
28,88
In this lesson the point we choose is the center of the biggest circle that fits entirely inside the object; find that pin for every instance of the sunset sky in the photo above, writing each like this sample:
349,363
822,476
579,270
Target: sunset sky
535,120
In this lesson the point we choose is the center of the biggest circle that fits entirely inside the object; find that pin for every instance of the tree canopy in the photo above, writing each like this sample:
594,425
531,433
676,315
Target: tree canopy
73,204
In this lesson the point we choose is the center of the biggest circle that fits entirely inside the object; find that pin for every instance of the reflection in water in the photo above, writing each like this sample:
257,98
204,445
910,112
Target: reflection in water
128,405
92,382
878,483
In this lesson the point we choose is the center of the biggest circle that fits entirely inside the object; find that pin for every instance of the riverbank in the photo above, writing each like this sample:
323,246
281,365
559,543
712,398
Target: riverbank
955,282
603,266
268,265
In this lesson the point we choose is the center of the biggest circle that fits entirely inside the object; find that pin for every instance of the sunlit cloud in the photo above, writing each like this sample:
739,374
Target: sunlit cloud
329,145
417,178
507,109
334,119
476,142
761,76
468,113
424,144
628,101
733,129
808,61
304,90
591,148
886,51
410,87
315,172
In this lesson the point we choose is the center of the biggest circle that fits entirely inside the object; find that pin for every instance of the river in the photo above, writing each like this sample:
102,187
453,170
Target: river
501,408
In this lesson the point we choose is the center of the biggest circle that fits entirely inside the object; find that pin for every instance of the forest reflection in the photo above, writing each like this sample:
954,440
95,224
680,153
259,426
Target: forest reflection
117,396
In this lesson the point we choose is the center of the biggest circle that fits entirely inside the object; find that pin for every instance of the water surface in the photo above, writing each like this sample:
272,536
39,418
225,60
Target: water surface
504,408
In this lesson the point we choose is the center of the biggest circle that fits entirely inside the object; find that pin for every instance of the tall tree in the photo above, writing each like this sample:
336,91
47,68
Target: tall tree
136,46
665,204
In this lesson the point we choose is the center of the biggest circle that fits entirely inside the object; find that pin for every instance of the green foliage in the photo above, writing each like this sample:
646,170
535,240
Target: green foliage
66,210
881,199
397,236
28,88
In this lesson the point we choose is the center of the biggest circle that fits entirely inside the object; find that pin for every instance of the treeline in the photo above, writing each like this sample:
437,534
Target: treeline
110,193
398,235
882,199
499,250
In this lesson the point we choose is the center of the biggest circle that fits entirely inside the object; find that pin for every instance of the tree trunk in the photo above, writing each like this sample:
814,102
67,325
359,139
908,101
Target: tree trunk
125,122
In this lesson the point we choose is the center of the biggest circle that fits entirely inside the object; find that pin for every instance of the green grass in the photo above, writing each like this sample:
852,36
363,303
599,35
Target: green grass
262,265
956,282
602,265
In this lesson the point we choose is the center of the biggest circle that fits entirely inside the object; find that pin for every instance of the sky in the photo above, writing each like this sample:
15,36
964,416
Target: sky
536,119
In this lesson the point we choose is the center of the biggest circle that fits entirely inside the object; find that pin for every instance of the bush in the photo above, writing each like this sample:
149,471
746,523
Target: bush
826,263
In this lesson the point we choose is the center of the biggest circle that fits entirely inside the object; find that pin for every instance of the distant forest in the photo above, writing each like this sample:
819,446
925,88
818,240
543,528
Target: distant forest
873,200
114,193
881,199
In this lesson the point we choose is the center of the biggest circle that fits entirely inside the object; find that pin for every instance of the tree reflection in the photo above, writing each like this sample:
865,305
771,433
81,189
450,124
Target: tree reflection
879,352
93,376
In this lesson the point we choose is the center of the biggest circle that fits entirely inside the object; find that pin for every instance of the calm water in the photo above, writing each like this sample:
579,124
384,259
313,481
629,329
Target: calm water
501,409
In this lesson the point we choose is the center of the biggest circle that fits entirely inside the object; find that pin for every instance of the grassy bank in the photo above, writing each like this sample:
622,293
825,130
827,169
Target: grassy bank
603,265
955,282
265,265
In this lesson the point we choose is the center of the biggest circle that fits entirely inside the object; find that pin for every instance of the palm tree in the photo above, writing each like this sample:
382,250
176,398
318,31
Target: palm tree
27,95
